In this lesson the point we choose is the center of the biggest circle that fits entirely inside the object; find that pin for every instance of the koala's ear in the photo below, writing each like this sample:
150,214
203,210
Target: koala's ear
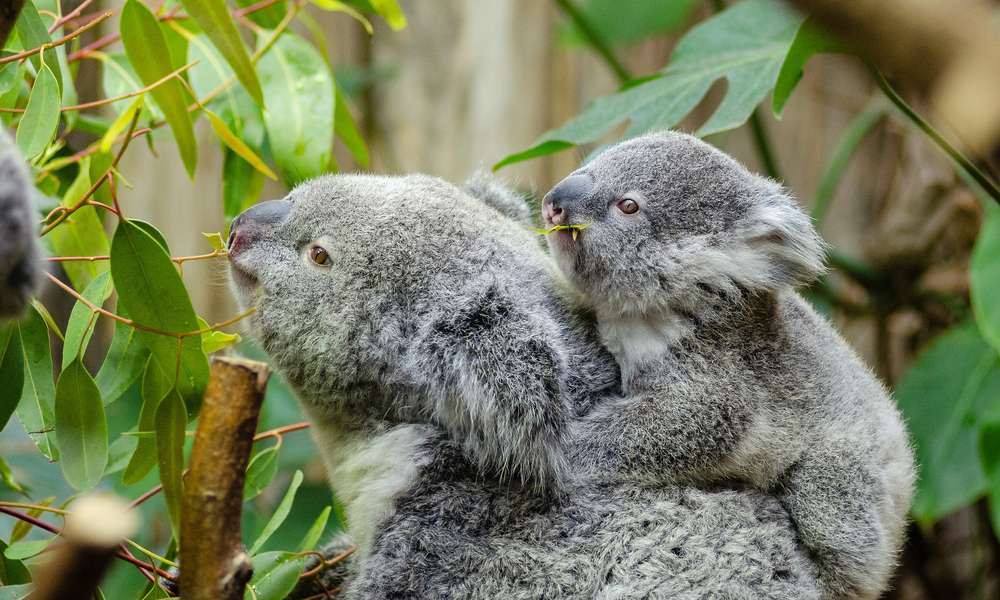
780,242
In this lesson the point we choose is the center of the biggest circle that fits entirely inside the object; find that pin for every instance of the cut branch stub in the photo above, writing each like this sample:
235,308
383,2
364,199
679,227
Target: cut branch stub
214,565
95,527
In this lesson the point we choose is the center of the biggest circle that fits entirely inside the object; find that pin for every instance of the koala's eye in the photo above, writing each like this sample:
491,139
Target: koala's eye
628,206
319,255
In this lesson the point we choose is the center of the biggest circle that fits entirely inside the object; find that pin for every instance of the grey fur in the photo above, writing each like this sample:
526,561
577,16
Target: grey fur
443,369
483,186
728,373
20,266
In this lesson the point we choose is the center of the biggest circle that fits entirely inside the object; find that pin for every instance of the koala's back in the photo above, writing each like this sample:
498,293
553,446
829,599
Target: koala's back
455,536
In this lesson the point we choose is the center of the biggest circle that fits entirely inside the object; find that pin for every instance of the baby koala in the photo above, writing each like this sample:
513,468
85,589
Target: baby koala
689,260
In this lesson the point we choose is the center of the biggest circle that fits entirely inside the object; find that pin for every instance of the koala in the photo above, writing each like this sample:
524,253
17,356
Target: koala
688,261
431,344
20,262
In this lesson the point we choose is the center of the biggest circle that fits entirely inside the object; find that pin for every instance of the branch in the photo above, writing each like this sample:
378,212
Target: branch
95,527
59,42
214,564
594,39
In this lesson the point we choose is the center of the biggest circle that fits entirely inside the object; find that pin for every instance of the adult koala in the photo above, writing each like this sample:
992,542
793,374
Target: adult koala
428,341
20,268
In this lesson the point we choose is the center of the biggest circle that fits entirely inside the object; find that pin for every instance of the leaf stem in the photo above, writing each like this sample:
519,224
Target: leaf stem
763,143
59,42
594,39
988,185
177,259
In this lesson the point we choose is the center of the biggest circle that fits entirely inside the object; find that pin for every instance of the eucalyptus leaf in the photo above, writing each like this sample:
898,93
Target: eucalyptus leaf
33,33
147,50
11,372
274,575
81,234
26,549
82,320
261,470
12,571
155,387
123,364
299,94
170,420
41,115
213,17
151,290
36,409
315,531
81,427
279,515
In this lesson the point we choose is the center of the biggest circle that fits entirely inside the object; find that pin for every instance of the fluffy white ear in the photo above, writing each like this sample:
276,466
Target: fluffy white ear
784,247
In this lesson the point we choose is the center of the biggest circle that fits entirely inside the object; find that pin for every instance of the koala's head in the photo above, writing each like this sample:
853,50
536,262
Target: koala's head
672,224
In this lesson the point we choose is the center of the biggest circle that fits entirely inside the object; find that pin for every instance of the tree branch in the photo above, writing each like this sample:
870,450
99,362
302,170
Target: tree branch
214,564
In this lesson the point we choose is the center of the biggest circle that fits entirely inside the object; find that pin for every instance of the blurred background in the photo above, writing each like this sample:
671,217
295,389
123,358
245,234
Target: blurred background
469,82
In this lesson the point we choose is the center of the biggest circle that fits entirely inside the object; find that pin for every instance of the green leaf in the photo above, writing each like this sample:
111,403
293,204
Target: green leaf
274,575
261,470
268,17
622,23
123,364
81,427
120,453
241,185
170,420
213,341
12,572
299,92
809,41
984,275
26,549
41,115
280,513
50,322
989,454
147,51
152,292
82,320
390,11
745,44
7,476
118,77
312,536
347,130
155,387
236,144
941,397
119,125
32,32
36,409
16,592
81,234
11,372
213,17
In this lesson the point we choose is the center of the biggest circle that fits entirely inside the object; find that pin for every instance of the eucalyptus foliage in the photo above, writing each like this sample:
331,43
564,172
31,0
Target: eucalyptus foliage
271,99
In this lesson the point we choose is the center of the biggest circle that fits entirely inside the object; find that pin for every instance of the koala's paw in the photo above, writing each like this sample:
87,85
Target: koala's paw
20,263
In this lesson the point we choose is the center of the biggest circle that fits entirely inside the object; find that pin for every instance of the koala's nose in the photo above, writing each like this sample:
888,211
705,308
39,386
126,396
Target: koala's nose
557,204
250,223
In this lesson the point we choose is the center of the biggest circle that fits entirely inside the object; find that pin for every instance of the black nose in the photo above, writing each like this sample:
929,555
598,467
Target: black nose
258,218
560,200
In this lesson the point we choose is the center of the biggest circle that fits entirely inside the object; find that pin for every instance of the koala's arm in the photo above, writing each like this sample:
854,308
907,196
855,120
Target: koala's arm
20,265
490,190
687,431
495,370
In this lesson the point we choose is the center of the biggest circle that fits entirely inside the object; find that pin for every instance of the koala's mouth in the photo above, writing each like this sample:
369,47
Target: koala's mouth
572,230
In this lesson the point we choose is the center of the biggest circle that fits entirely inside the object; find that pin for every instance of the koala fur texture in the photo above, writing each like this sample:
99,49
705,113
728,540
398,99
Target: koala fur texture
688,261
431,344
20,266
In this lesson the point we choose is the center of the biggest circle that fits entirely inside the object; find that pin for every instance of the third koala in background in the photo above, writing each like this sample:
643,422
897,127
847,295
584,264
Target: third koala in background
20,257
688,261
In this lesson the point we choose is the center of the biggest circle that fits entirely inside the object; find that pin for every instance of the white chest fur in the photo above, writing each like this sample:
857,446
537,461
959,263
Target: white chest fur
637,340
368,472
